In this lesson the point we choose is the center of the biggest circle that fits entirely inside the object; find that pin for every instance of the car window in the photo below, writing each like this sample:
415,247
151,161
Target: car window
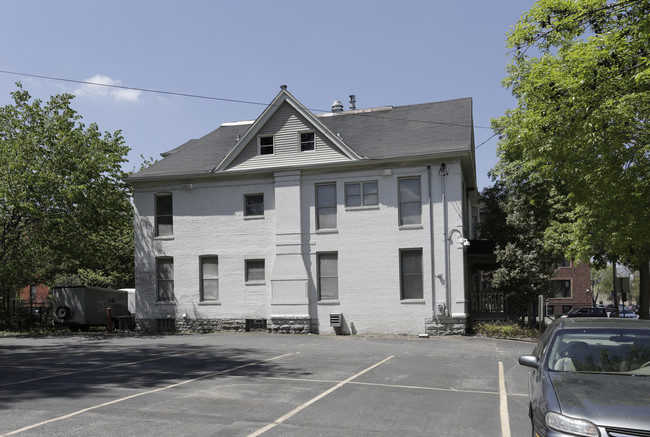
600,351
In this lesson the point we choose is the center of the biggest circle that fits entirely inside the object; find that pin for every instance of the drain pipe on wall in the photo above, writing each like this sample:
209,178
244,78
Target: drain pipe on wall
434,314
442,173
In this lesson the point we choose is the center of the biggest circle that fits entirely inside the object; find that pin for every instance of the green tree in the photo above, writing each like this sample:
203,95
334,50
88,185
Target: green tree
519,213
64,208
581,75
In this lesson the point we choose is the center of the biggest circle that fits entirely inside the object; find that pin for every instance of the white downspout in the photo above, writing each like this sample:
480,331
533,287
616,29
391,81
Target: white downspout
443,172
431,241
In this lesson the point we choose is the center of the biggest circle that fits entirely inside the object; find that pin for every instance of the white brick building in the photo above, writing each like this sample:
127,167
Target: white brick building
296,218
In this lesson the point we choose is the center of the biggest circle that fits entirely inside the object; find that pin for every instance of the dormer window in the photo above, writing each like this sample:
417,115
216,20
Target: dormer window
307,141
266,145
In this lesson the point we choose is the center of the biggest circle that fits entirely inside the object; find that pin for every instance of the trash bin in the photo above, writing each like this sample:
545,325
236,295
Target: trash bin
126,323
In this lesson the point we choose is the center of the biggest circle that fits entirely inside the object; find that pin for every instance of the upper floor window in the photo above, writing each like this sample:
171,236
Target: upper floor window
165,279
266,145
254,205
410,201
307,141
561,288
209,278
410,267
361,194
326,206
564,263
164,216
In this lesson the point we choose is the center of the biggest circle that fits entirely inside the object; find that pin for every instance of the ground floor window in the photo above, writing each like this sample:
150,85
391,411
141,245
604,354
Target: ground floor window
254,270
165,279
209,278
328,276
410,266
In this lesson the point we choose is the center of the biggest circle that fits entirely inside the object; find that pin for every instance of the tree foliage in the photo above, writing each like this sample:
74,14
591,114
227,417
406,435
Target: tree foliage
581,75
518,217
64,208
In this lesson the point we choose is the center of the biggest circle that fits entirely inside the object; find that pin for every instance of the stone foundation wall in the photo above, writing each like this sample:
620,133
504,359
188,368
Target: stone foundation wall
210,325
289,325
437,326
275,325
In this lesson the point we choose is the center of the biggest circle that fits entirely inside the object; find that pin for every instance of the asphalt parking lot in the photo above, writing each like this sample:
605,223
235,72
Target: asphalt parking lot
261,384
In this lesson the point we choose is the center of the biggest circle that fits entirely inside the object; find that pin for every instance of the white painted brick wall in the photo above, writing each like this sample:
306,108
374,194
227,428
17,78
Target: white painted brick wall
209,221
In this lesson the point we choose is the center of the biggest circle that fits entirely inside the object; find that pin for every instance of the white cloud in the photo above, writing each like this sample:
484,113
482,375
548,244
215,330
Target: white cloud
99,91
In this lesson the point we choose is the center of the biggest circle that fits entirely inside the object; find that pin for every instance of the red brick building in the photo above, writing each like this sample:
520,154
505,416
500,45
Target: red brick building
37,294
571,287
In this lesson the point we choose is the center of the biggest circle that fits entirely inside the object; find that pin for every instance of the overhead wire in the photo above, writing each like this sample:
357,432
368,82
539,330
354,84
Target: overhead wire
221,99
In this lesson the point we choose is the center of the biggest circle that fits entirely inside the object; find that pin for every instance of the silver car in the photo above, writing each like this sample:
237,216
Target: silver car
591,377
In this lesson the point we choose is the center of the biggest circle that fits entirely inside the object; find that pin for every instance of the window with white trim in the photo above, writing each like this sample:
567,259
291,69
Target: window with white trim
254,270
410,268
164,215
253,205
307,142
410,201
266,144
361,194
328,276
165,279
326,206
209,278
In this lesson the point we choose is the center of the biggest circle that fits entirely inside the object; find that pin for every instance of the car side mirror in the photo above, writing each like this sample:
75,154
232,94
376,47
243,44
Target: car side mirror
529,361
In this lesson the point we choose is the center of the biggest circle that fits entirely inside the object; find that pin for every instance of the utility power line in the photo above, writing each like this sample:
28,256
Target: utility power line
221,99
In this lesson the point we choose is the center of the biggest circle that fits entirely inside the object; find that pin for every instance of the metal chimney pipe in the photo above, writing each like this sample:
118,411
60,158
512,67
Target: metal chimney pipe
337,106
353,102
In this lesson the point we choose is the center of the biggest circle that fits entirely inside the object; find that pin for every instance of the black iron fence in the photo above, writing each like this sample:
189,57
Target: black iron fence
22,314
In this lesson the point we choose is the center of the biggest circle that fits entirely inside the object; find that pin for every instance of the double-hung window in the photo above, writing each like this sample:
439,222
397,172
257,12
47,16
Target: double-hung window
165,279
361,194
410,267
410,201
326,206
254,205
328,276
164,215
209,278
266,145
307,141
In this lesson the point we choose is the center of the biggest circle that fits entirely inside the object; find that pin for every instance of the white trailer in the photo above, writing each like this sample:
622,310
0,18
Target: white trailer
80,307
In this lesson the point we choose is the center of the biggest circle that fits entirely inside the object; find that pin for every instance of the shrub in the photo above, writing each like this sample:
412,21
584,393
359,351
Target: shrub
505,330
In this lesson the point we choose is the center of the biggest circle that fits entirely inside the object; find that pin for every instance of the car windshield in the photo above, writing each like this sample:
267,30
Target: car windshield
622,351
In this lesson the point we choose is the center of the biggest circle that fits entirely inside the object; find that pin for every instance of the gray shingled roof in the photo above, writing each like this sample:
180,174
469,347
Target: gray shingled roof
383,133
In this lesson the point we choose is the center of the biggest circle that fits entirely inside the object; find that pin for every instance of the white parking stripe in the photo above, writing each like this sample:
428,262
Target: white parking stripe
115,401
503,404
311,401
94,369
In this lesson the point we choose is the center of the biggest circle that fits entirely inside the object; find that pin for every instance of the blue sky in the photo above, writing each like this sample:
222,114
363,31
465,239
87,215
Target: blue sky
384,52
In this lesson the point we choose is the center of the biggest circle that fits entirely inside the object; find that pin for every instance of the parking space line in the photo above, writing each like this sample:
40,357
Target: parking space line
376,384
126,398
503,403
94,369
315,399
